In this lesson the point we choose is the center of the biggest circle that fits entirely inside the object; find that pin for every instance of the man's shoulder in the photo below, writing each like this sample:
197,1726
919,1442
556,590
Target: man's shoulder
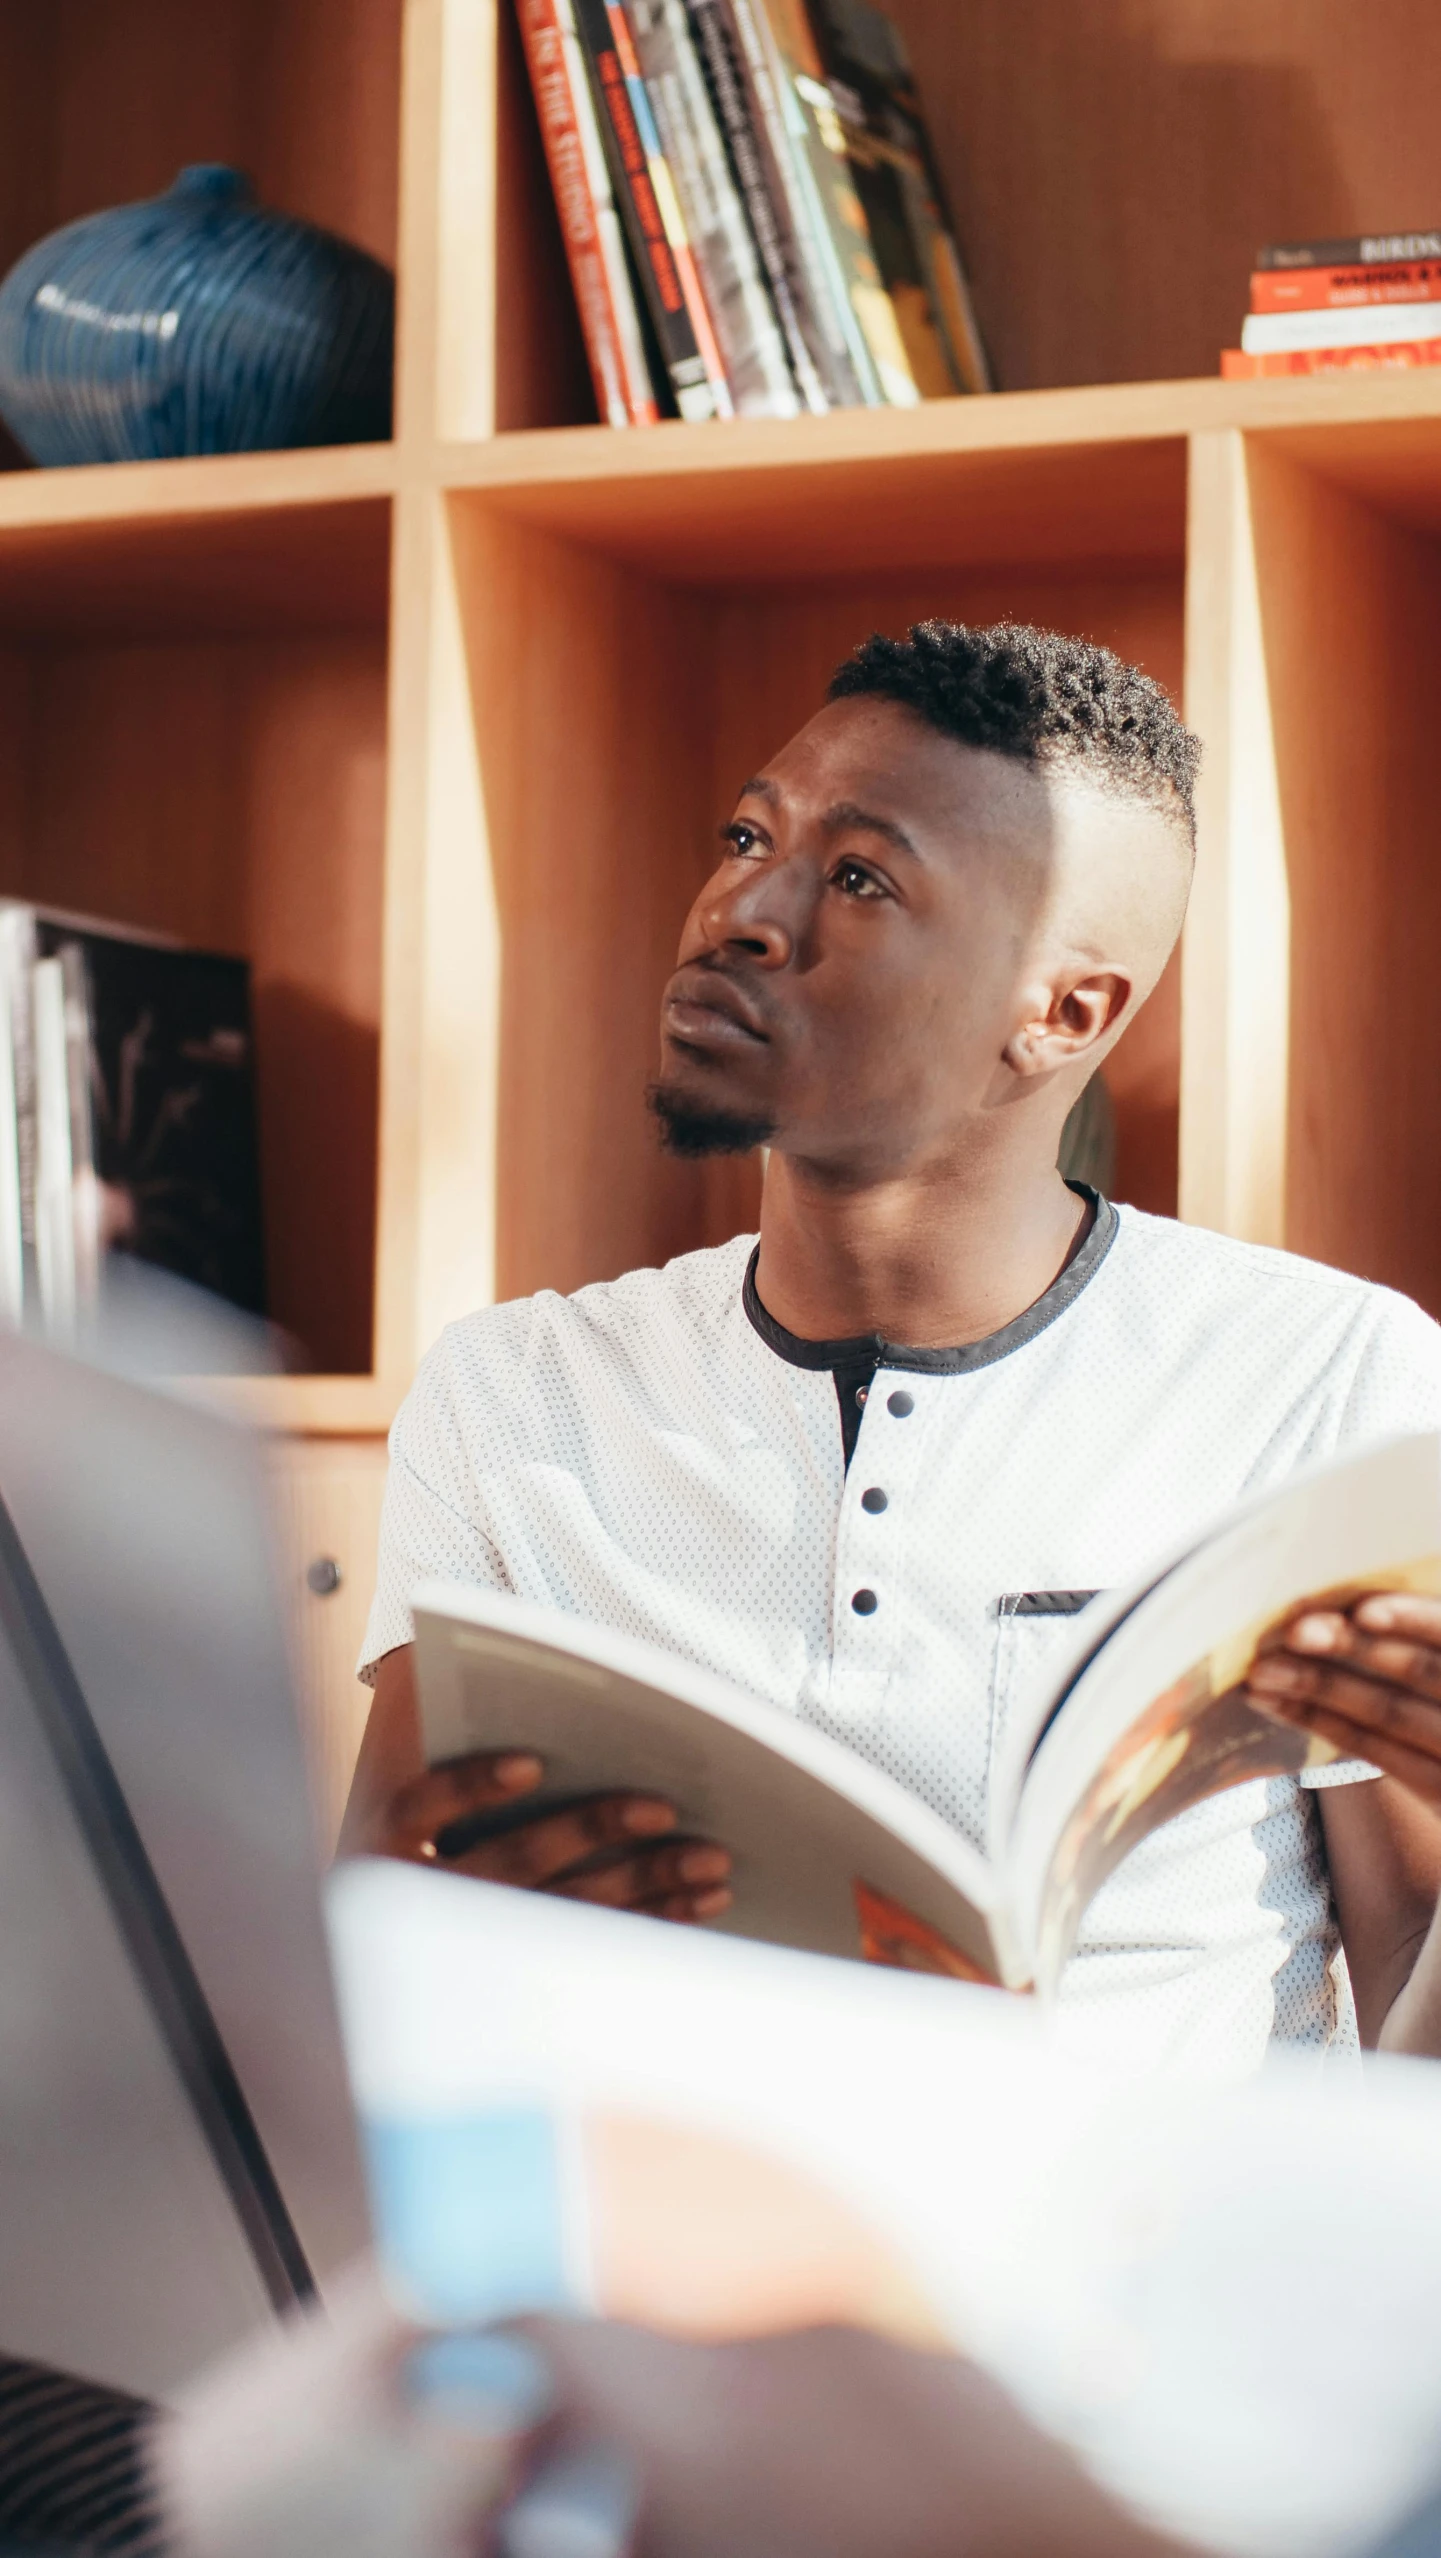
622,1318
1223,1276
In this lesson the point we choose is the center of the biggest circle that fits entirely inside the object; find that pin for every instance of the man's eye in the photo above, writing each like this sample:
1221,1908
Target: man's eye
742,839
853,880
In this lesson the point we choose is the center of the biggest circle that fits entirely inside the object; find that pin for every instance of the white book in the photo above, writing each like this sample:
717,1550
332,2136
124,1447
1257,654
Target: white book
1370,324
832,1856
1228,2300
54,1159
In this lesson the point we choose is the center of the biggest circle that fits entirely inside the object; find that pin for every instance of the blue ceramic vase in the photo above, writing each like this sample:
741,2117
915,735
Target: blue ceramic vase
194,323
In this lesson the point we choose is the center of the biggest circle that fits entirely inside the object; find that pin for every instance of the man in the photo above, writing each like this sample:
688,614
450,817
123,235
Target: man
864,1467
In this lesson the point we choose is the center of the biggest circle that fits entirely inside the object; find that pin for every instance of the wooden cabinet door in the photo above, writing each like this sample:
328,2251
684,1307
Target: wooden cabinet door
328,1496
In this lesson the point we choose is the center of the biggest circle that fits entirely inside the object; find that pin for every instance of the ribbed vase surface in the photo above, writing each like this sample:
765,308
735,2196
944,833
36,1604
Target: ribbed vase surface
196,322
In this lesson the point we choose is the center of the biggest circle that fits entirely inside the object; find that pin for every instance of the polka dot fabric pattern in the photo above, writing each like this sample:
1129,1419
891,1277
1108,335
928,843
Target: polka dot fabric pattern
638,1455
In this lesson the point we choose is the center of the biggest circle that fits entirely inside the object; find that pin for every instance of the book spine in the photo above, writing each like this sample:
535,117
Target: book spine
840,355
589,223
54,1164
716,47
672,213
852,245
650,246
12,1207
749,336
16,965
79,1077
1382,248
1409,354
1278,332
1344,288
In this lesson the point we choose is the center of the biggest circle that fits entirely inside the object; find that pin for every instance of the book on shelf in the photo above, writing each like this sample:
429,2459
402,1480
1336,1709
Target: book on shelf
737,246
1406,356
752,348
650,211
1141,1720
1277,332
127,1116
846,276
589,222
873,86
1378,248
1325,306
1343,288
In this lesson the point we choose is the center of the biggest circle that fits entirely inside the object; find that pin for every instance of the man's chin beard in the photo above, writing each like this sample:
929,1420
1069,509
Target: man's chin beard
688,1128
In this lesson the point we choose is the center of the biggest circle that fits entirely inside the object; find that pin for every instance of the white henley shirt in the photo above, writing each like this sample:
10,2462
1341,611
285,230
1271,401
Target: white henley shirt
655,1454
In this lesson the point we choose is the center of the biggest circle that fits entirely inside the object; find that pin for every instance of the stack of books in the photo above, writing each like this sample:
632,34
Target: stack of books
750,208
127,1116
1328,306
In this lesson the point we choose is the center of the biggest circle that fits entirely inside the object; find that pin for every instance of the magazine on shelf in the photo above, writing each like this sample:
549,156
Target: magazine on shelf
713,28
1141,1720
589,222
874,89
129,1118
650,210
727,261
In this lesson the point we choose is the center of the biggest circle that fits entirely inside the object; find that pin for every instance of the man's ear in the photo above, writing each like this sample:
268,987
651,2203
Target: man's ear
1067,1020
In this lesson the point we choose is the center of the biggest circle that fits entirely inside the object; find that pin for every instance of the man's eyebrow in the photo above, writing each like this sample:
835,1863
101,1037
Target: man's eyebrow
759,788
846,815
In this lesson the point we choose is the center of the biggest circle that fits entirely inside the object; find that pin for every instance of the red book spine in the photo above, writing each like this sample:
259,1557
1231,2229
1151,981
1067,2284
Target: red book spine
1403,357
623,393
1345,288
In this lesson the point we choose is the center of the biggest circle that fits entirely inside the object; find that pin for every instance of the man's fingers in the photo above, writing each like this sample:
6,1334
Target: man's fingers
1399,1655
539,1852
1416,1769
1401,1612
1302,1688
685,1870
456,1791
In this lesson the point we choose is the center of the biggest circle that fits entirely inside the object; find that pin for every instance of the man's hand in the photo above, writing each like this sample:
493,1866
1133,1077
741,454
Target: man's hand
1367,1678
828,2444
623,1851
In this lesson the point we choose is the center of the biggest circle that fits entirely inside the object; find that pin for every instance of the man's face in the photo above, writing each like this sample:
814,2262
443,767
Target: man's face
849,977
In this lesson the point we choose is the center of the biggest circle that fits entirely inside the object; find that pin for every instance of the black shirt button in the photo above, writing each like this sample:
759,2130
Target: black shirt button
875,1501
861,1393
900,1403
865,1603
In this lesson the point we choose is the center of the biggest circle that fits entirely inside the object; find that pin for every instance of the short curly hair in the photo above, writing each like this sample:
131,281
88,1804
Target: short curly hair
1039,697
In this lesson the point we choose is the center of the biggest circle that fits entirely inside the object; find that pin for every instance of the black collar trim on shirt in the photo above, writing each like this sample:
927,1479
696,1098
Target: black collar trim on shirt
871,1349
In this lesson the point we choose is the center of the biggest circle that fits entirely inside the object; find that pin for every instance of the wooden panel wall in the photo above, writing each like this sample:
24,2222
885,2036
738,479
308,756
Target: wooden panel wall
588,694
1113,164
99,105
233,793
1351,613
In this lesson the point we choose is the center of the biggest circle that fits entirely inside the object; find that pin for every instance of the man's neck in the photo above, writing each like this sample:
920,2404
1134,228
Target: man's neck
925,1261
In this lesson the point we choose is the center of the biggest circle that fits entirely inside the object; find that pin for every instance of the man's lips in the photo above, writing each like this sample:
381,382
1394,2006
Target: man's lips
709,1012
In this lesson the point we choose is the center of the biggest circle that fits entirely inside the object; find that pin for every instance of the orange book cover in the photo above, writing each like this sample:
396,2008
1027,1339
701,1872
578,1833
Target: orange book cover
1405,356
1344,288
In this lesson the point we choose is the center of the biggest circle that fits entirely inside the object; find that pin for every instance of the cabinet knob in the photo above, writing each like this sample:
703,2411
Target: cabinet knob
324,1576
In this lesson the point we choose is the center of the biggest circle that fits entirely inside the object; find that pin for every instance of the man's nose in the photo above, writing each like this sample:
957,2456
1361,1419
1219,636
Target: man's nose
761,918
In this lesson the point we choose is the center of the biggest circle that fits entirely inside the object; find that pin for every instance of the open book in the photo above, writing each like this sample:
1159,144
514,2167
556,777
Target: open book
1138,1722
1226,2299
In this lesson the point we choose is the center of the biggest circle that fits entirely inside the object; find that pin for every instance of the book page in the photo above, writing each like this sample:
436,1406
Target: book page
1145,1721
830,1854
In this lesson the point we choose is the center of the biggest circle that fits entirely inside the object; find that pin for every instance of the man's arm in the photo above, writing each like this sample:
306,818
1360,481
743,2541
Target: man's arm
622,1850
1369,1680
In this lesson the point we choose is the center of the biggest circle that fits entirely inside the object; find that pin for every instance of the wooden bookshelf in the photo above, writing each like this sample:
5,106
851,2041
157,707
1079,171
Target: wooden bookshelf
439,731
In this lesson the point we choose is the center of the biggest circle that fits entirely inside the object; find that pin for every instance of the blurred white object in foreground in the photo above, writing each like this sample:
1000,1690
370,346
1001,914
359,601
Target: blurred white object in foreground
1228,2301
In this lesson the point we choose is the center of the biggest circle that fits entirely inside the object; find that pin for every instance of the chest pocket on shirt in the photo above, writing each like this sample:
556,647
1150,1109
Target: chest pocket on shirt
1034,1628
